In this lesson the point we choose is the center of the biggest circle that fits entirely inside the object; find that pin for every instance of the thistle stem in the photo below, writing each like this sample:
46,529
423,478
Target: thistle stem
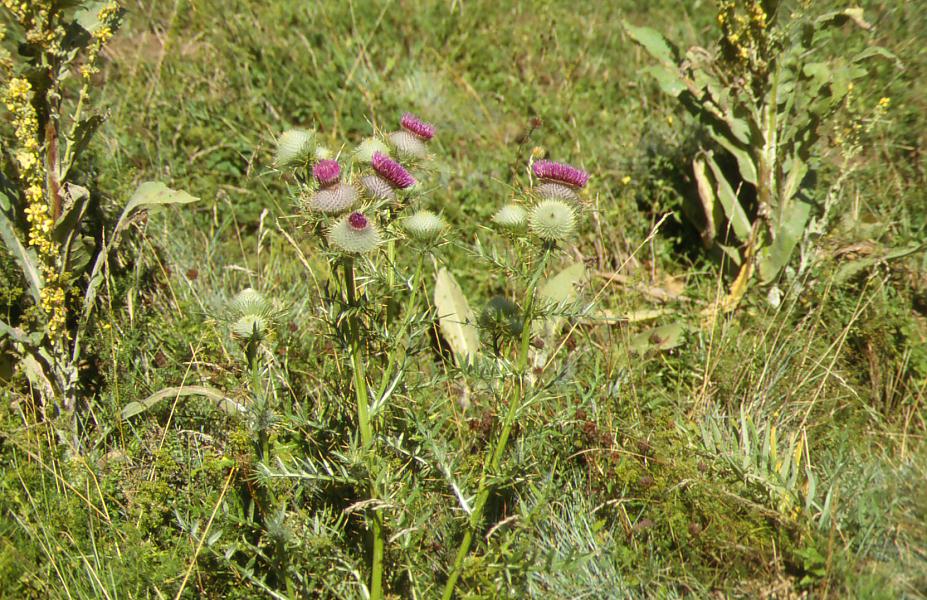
366,430
476,515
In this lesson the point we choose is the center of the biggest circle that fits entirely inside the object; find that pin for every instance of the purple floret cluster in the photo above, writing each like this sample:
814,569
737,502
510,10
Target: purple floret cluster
560,172
326,172
391,171
417,127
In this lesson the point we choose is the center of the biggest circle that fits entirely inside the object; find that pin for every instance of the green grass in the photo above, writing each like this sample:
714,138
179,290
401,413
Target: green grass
608,487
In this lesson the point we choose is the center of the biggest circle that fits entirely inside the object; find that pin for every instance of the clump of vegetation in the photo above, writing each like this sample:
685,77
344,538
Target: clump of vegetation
408,347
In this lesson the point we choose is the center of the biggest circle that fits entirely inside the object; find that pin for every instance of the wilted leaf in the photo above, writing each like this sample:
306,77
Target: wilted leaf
149,194
222,402
851,268
559,289
706,194
456,318
659,339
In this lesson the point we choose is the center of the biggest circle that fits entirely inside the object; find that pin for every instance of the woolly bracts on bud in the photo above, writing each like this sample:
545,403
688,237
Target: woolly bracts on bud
354,234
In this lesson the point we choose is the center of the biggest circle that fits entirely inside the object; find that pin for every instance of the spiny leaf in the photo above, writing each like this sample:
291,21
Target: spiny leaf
456,318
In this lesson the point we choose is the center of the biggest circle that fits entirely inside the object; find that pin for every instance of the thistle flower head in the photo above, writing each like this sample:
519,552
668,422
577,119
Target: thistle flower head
334,199
391,171
551,189
378,188
552,220
510,216
323,153
560,172
250,302
424,225
417,127
408,144
326,172
250,327
366,149
354,234
294,147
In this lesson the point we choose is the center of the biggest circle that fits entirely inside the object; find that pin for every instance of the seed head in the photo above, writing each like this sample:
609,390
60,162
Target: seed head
407,144
294,147
326,172
378,188
354,234
391,171
417,127
366,149
552,220
511,216
424,226
334,200
561,172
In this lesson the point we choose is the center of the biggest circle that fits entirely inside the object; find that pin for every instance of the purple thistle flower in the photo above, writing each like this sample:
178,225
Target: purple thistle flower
391,171
358,221
326,172
416,126
562,172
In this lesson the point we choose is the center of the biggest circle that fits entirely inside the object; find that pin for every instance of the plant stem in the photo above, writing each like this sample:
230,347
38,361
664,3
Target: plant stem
476,515
366,430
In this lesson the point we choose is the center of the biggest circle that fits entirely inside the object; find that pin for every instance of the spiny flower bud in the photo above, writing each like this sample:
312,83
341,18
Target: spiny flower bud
334,200
354,234
366,149
326,172
560,172
294,147
252,327
552,220
408,144
378,188
511,216
550,190
417,127
501,318
424,225
391,171
323,153
250,302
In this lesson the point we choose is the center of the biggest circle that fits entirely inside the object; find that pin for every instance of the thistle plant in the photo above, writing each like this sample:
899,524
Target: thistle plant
551,217
363,207
761,92
46,89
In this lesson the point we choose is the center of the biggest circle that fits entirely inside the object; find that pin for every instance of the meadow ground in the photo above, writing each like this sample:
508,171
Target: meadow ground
650,462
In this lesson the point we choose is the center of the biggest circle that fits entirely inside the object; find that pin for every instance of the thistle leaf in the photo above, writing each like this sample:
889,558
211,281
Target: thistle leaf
456,318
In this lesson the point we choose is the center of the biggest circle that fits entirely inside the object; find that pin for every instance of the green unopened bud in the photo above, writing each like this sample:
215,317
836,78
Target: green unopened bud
294,147
250,302
323,153
407,144
424,226
552,220
366,149
250,327
354,234
511,216
501,318
333,200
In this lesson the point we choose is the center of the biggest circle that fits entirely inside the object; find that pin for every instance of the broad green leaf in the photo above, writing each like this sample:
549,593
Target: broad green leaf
25,257
659,339
774,257
652,41
223,402
734,212
745,163
18,335
456,318
668,79
851,268
880,52
558,290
